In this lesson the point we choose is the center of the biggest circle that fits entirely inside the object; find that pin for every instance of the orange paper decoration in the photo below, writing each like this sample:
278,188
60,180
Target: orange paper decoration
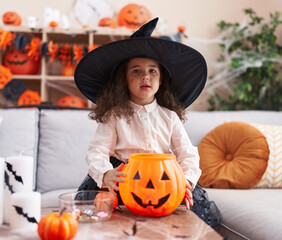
5,76
29,97
154,184
6,39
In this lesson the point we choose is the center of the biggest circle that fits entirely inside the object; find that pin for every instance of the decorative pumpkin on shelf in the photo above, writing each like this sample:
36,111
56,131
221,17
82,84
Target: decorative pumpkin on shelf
20,63
154,185
5,76
11,18
133,16
72,101
107,22
29,97
68,69
57,226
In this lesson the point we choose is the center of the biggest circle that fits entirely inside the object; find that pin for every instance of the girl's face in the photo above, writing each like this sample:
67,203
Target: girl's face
143,80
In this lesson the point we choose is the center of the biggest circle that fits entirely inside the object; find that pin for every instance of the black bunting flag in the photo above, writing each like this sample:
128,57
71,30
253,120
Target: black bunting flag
20,212
7,182
10,168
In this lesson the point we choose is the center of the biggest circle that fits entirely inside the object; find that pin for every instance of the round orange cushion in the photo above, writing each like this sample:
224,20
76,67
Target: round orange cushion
233,155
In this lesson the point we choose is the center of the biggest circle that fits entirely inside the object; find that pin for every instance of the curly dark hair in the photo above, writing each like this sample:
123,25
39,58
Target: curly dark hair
114,98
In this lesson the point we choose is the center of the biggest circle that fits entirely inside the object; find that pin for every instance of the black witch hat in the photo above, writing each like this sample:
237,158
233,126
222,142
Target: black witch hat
186,66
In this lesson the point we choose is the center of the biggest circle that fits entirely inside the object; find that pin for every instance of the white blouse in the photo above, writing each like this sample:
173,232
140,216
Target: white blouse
152,129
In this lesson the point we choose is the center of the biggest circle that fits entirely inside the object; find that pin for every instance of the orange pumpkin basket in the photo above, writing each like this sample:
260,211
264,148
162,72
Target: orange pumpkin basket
154,184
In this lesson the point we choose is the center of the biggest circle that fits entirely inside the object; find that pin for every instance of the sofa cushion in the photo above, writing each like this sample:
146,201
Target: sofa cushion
63,143
19,133
233,155
272,177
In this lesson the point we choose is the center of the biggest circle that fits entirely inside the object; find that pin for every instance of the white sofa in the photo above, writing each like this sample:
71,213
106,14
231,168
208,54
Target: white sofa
58,141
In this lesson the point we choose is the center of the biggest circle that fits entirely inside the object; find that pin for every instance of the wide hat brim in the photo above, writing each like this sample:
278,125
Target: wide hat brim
187,67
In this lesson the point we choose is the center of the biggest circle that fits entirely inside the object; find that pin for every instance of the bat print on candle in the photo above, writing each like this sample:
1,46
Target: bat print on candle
20,211
25,210
7,182
10,169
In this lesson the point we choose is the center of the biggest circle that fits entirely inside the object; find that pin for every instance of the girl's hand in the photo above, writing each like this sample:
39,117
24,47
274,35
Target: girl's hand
188,195
111,177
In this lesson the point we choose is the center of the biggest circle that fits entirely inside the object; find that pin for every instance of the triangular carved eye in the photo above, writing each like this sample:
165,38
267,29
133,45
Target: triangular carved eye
165,177
137,176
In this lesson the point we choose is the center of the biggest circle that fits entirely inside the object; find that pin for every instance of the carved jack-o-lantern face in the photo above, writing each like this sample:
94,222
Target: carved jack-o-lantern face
71,101
19,62
11,18
5,76
154,184
29,97
134,16
107,22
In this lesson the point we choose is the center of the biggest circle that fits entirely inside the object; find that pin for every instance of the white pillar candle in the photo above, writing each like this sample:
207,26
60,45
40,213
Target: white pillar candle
18,178
25,210
2,162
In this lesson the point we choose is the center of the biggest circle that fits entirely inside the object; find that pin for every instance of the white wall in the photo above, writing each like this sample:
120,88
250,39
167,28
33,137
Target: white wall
198,16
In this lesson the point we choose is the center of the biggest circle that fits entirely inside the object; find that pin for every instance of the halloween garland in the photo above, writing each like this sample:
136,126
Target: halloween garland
51,51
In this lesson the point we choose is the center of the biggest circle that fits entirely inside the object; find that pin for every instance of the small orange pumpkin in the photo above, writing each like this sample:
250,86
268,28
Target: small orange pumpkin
72,101
133,16
5,76
29,97
57,226
104,205
53,24
107,22
19,62
154,193
11,18
68,69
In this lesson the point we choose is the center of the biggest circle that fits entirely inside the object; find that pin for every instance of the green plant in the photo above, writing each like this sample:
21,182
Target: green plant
252,52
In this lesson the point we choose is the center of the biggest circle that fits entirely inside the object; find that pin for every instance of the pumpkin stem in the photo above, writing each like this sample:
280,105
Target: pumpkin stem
62,210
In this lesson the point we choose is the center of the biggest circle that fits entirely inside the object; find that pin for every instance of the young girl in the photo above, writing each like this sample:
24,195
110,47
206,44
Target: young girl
141,87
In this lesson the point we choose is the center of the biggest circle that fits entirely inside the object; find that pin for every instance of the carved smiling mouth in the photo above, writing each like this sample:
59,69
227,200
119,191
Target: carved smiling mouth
160,202
134,23
17,62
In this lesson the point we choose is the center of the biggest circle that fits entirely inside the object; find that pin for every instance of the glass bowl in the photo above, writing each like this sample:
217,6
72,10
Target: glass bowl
88,206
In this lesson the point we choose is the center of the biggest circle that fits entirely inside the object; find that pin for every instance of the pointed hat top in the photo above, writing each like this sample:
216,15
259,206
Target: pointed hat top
146,30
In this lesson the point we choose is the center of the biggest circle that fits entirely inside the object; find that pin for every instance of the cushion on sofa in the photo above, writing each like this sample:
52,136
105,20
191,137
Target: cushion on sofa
233,155
19,133
272,177
63,143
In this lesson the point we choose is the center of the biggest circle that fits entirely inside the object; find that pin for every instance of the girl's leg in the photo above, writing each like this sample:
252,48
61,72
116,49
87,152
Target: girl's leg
204,208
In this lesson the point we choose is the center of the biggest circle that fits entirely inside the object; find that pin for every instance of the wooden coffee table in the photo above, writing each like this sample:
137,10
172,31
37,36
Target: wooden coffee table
123,224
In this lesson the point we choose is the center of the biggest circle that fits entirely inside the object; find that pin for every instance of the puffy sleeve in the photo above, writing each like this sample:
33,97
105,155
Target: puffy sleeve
101,147
186,154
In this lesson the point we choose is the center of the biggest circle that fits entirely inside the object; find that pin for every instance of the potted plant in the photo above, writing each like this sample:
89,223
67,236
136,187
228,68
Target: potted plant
251,59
